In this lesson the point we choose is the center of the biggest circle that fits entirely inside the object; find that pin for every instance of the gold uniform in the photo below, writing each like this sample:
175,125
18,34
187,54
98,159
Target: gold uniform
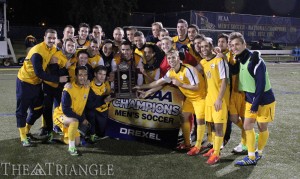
189,75
62,60
103,89
79,96
215,70
26,72
96,61
237,98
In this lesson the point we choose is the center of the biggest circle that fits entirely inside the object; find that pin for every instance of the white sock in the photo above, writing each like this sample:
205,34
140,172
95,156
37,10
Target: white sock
71,143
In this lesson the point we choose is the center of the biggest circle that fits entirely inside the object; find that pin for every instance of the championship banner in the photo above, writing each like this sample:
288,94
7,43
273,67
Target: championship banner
155,120
253,27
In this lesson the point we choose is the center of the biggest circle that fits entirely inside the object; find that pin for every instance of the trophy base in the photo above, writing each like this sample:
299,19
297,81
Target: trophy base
125,95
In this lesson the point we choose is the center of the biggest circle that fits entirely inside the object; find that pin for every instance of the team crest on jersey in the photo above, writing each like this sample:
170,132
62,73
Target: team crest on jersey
212,65
85,96
181,77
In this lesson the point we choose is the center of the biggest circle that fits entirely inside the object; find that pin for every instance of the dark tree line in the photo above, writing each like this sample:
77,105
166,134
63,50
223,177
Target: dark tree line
107,13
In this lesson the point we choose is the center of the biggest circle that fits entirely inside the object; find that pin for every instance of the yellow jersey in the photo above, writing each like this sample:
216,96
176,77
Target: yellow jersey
62,60
187,74
103,89
26,72
96,61
215,71
77,102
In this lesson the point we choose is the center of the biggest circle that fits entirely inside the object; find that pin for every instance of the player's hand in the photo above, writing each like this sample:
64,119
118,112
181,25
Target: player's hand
68,64
218,105
63,79
68,85
53,60
253,112
143,94
217,50
137,87
108,99
85,122
176,82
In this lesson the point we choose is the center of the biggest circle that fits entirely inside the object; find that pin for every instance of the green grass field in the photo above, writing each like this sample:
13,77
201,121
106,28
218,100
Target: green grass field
125,159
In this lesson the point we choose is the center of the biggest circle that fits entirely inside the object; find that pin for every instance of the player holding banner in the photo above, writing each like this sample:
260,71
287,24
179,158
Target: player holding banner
191,83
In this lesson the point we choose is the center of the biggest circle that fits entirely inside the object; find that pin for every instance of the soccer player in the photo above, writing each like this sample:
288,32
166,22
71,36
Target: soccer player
68,32
162,33
151,70
139,41
62,63
98,116
182,36
71,110
186,78
130,33
168,45
28,84
96,34
131,58
83,32
94,54
82,60
216,73
107,54
192,30
237,98
260,100
118,35
156,27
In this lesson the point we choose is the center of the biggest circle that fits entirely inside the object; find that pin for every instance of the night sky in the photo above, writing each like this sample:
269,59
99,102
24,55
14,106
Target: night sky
31,12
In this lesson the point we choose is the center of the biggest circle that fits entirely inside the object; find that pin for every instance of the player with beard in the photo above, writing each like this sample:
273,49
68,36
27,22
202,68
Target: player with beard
217,98
29,84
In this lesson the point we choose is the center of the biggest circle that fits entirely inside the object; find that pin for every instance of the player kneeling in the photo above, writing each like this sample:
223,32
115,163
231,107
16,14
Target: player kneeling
71,110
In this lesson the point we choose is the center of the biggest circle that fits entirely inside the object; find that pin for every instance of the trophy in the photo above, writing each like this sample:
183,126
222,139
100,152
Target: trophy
125,80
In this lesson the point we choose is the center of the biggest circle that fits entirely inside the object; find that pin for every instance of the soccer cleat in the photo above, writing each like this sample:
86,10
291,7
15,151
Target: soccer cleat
26,143
73,151
49,138
183,147
246,162
213,159
209,153
257,156
94,138
240,149
193,151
